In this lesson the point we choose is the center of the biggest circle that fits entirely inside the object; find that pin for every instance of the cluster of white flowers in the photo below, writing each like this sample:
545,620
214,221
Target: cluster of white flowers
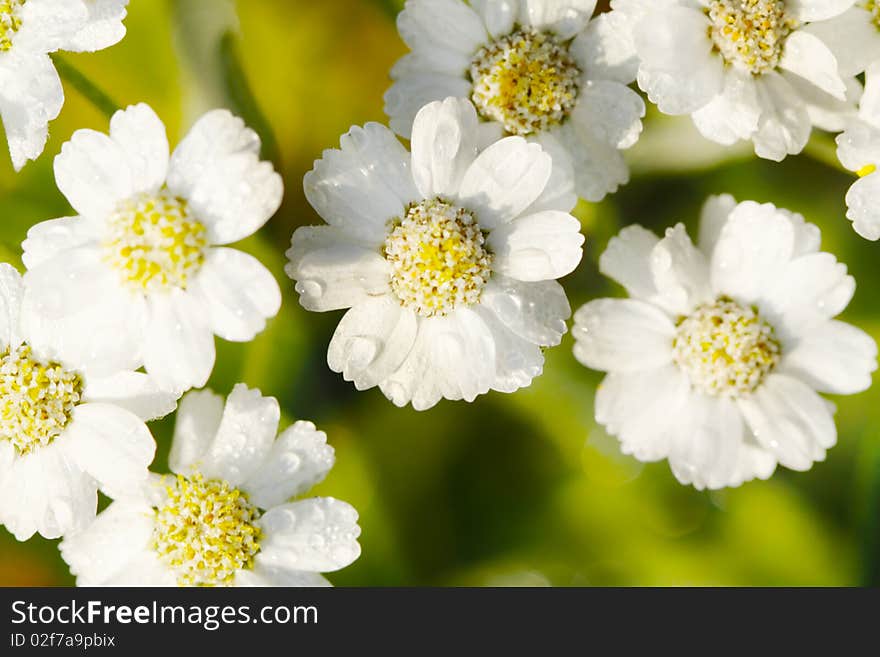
446,256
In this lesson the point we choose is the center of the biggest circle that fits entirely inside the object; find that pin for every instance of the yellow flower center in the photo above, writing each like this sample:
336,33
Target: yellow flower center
750,33
206,531
36,399
154,242
725,349
526,81
10,21
438,258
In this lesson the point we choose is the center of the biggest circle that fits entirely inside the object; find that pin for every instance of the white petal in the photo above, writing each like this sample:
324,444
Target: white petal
807,292
711,449
444,145
263,575
46,493
680,271
318,534
141,136
178,344
112,444
559,193
372,341
679,71
215,136
754,246
825,111
453,357
504,180
365,184
195,426
103,337
852,37
299,459
103,28
410,93
817,10
599,168
11,294
627,260
517,361
564,17
48,239
609,112
144,570
641,409
499,16
863,206
606,50
734,113
536,312
31,95
92,171
427,25
235,197
790,420
244,437
713,217
622,335
133,391
104,549
807,56
859,146
869,104
538,247
47,26
332,273
240,294
784,127
834,357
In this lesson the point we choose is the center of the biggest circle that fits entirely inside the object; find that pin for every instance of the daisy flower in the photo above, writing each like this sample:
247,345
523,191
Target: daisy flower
858,149
223,518
540,69
716,360
446,257
64,433
30,89
743,69
140,276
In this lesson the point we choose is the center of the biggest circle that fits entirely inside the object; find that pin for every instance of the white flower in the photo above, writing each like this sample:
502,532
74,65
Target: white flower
63,431
716,361
859,150
541,69
743,69
447,258
30,89
138,278
225,518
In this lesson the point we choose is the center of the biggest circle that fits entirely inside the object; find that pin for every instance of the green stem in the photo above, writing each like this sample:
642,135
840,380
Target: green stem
242,98
84,86
823,149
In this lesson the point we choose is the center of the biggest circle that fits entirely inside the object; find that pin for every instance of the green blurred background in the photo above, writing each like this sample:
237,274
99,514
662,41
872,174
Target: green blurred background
520,489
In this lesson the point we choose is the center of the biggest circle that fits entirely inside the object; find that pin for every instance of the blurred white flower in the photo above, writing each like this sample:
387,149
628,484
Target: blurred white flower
64,432
137,278
446,257
743,69
224,519
716,361
541,69
30,89
859,150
